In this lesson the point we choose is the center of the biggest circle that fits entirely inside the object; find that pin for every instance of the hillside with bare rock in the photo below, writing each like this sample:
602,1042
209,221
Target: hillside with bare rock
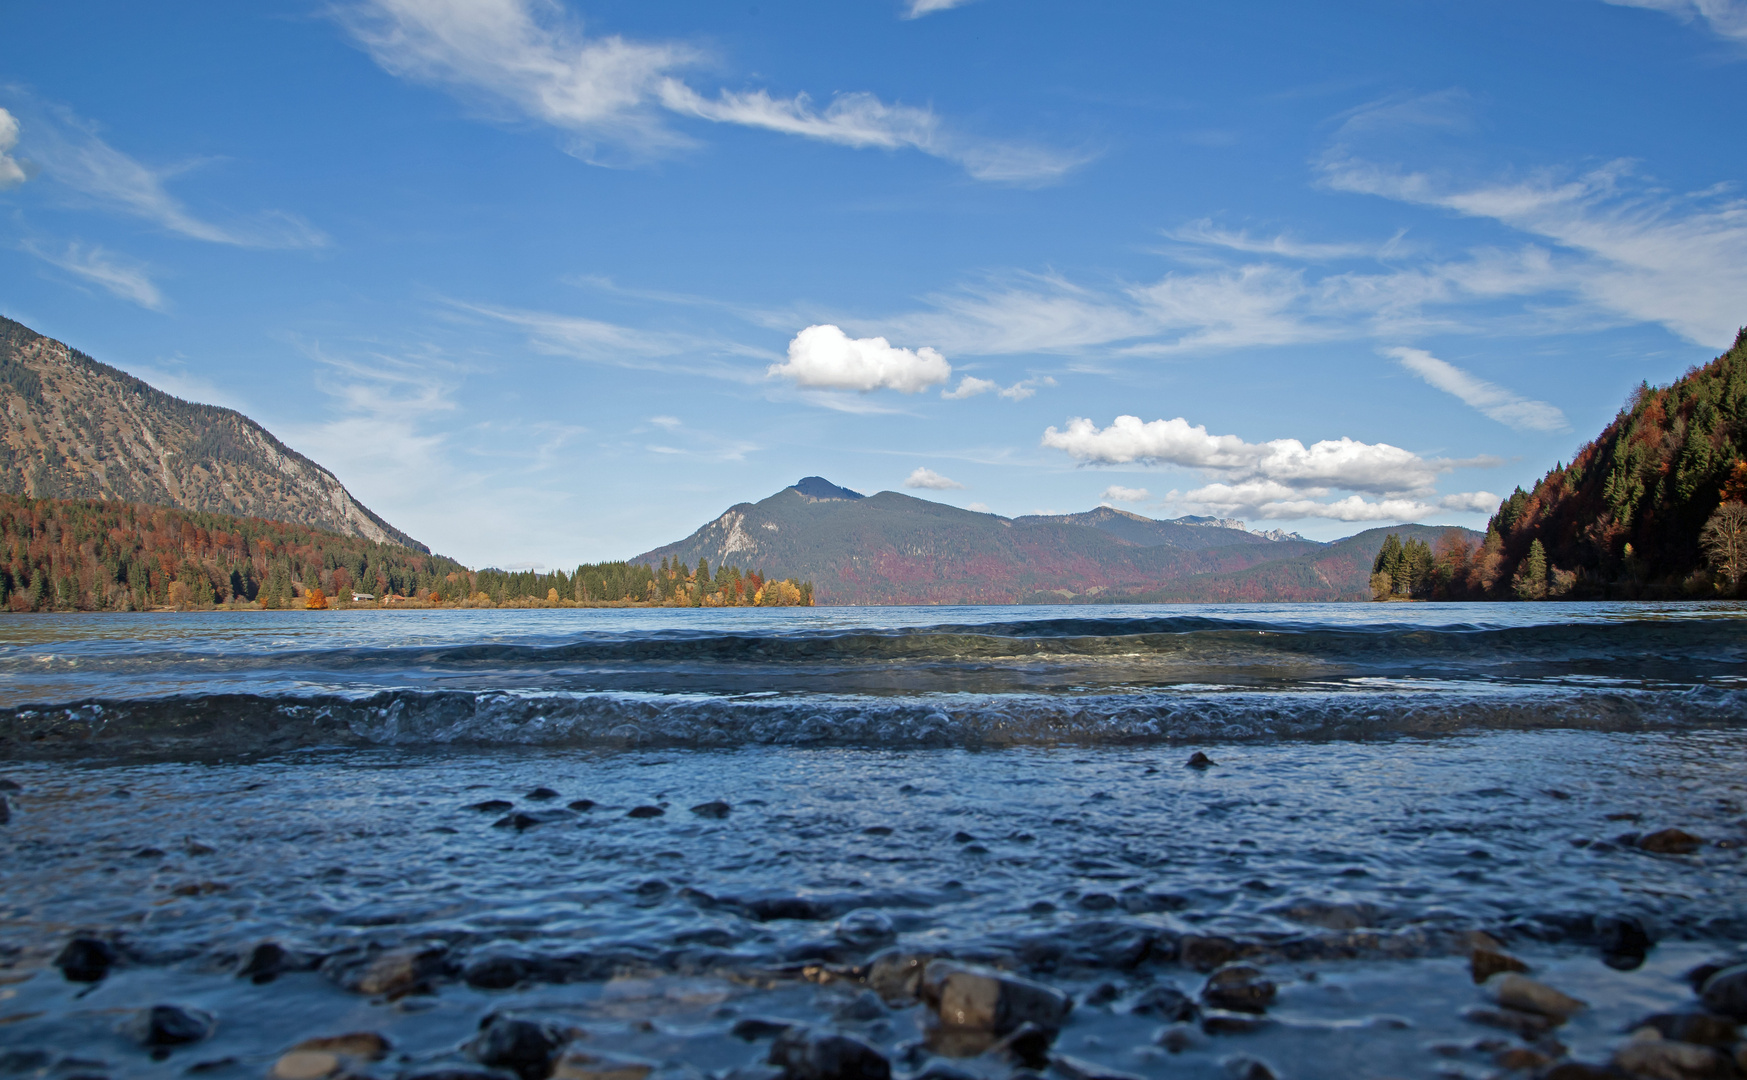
74,428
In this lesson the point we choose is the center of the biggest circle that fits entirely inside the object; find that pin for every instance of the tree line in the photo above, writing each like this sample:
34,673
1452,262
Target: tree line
98,555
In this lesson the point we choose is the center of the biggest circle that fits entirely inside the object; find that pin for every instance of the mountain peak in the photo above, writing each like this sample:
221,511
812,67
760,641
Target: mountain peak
817,487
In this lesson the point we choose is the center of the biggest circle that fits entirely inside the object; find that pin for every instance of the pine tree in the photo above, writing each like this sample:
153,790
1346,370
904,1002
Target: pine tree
1530,582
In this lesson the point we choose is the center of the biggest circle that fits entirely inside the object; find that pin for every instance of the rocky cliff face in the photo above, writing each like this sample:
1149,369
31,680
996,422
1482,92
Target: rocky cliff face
72,428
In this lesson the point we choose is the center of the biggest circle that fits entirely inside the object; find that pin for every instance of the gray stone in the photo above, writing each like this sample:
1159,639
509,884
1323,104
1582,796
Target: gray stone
86,959
716,809
974,997
805,1054
1240,988
1526,995
1705,1029
1165,1002
394,973
1726,992
1028,1045
1244,1067
1670,842
897,976
1664,1059
170,1025
525,1047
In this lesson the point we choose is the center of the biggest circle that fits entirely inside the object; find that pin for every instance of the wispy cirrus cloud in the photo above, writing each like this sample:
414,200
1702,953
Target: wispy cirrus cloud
1726,18
918,8
123,277
1508,408
74,157
611,95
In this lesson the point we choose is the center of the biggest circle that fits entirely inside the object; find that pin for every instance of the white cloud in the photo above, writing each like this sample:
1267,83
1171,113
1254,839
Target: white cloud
1117,493
970,386
1490,399
919,8
824,357
609,92
72,155
1204,232
1727,18
125,278
1269,501
585,339
1477,502
930,480
11,170
1343,463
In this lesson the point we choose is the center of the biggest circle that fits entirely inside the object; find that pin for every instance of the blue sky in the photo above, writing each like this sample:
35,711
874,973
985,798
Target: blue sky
545,282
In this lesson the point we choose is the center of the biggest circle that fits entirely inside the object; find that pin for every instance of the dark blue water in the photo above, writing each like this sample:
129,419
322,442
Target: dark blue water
1001,785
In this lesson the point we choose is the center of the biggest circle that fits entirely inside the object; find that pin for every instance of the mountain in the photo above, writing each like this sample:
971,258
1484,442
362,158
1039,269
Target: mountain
72,428
1625,517
894,549
1337,571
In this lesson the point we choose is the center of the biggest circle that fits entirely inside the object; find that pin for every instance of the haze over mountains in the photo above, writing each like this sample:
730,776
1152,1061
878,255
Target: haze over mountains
73,428
896,549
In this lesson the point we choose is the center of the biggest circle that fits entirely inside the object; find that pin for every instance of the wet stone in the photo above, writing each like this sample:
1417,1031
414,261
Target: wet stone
1705,1029
805,1054
1670,842
646,812
1165,1002
1483,964
1526,995
492,806
394,973
754,1028
10,786
1102,994
1239,988
307,1065
1726,992
962,837
1028,1045
365,1045
1526,1025
1198,760
715,809
578,1064
525,1047
541,794
86,959
1520,1059
170,1025
5,810
1664,1059
1204,954
528,819
581,805
897,976
989,1000
1623,940
149,853
501,971
268,960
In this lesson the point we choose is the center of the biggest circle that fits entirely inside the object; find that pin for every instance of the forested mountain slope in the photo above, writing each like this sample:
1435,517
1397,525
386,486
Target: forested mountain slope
1625,517
73,428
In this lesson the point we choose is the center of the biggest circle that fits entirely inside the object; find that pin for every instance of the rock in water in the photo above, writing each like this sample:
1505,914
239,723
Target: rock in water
1664,1059
171,1025
1028,1045
1198,760
581,805
541,793
5,810
577,1064
364,1045
989,1000
525,1047
306,1065
1670,842
804,1054
527,819
1705,1029
330,1056
1244,1067
1725,992
492,806
646,812
1524,994
1240,988
394,973
716,809
85,959
1167,1003
897,976
1483,964
1624,941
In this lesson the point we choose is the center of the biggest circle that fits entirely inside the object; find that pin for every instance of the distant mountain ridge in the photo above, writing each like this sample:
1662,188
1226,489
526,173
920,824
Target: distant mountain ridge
74,428
890,548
